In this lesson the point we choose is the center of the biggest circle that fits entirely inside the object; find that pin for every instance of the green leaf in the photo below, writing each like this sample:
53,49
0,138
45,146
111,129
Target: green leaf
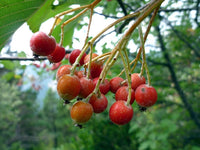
110,7
13,14
8,76
68,31
40,16
21,54
8,64
145,145
48,10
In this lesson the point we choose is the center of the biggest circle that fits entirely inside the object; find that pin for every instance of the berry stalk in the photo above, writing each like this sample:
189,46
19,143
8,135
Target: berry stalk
128,76
76,63
144,63
143,50
147,11
90,60
64,13
70,20
89,25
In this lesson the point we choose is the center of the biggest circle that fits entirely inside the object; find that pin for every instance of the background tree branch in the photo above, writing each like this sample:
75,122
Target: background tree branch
182,37
174,79
197,13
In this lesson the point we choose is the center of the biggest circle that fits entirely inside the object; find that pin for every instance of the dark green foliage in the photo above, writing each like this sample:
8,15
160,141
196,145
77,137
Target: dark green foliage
9,110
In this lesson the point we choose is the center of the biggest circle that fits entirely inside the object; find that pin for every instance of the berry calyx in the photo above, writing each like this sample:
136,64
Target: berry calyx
145,95
122,94
57,55
68,87
81,112
98,102
120,113
42,44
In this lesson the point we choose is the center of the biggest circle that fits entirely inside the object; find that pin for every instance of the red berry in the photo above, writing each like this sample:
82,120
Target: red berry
68,87
36,65
122,94
116,83
80,74
87,57
44,65
137,80
103,87
120,113
42,44
81,112
64,69
95,70
57,55
145,95
99,103
67,56
87,87
74,54
55,66
96,66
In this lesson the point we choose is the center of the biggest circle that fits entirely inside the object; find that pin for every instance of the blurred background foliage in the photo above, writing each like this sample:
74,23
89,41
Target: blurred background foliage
34,118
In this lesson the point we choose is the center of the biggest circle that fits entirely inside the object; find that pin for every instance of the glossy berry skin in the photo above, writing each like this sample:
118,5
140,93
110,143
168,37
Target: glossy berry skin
96,66
116,83
42,44
95,70
87,57
74,54
64,69
137,80
122,94
57,55
99,103
68,87
81,112
80,74
87,87
145,95
120,113
103,87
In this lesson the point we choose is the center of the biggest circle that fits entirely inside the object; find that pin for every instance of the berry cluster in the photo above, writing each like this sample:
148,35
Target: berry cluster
86,88
82,87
